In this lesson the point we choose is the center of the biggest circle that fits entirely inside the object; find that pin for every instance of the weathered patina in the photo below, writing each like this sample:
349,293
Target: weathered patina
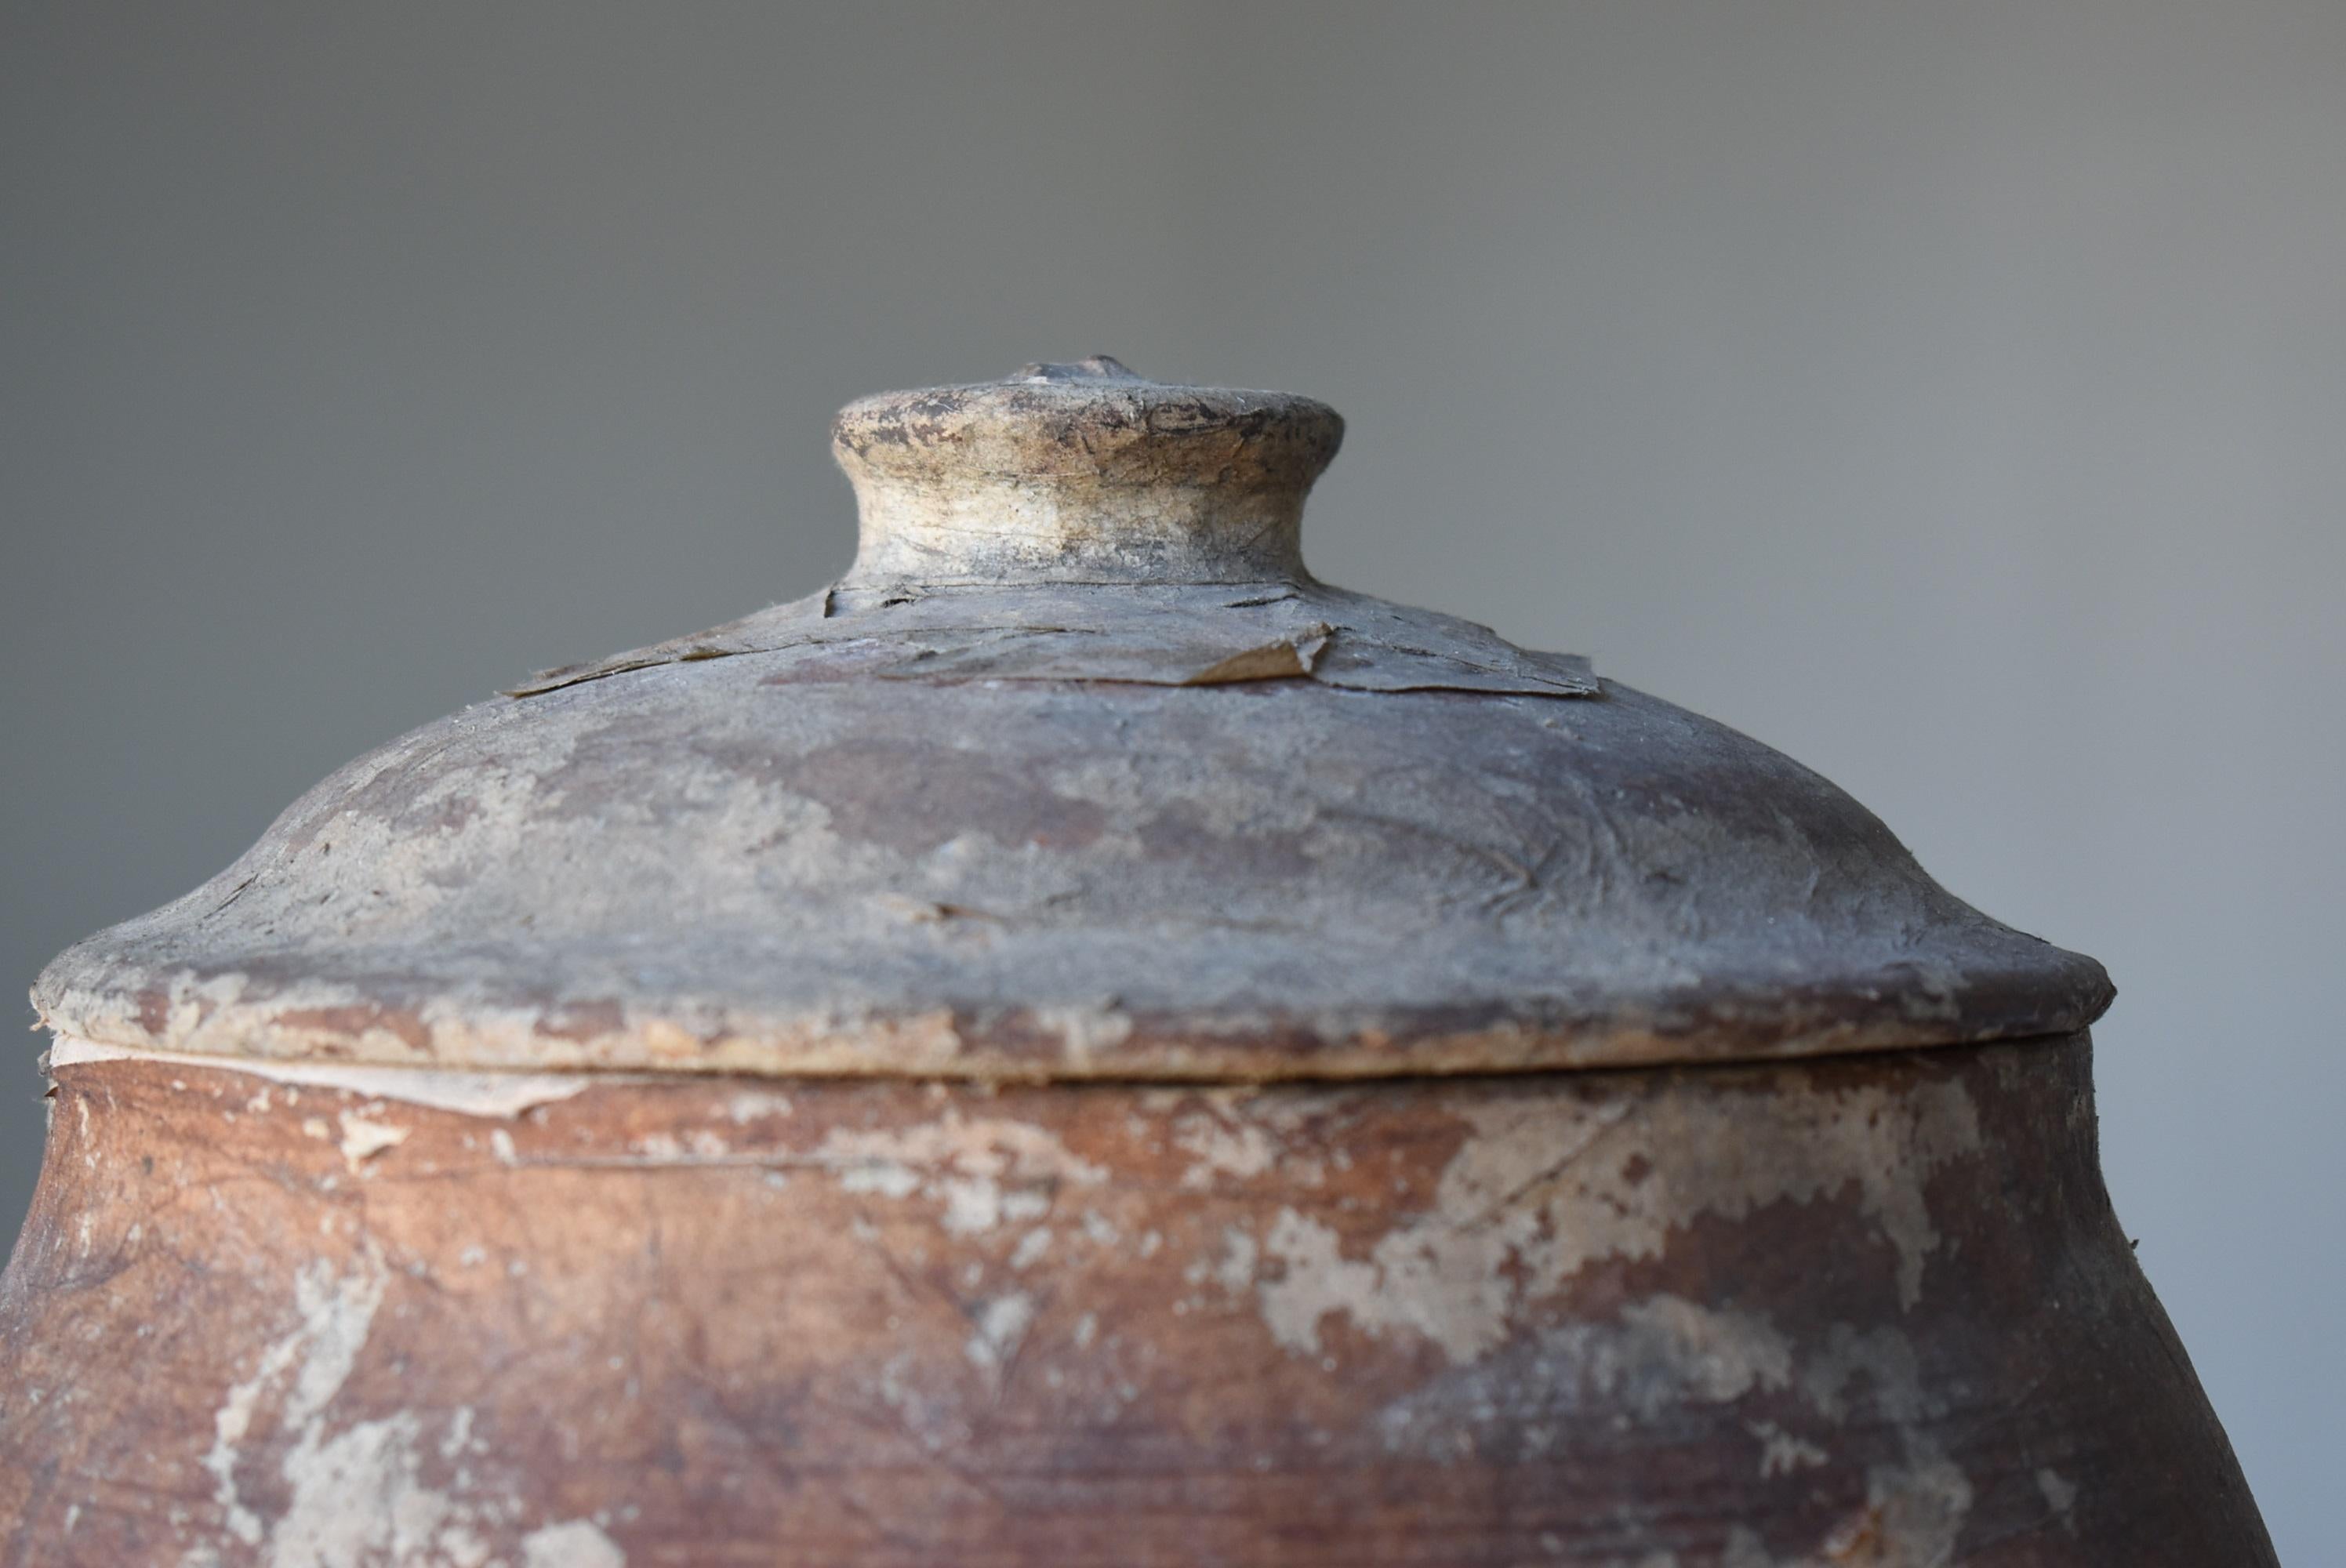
1868,1310
1106,787
1083,1045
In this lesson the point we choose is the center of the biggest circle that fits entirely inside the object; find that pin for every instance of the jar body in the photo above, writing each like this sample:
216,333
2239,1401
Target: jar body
1858,1310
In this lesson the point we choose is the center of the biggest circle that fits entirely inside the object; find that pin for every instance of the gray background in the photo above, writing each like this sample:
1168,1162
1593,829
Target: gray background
1950,394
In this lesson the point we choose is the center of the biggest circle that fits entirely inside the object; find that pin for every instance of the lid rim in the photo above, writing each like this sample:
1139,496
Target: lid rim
1833,1015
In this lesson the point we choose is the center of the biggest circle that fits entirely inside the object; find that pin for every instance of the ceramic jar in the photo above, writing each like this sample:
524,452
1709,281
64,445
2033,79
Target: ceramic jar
1083,1045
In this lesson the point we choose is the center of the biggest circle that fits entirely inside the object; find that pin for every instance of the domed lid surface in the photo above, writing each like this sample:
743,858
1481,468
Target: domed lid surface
1078,773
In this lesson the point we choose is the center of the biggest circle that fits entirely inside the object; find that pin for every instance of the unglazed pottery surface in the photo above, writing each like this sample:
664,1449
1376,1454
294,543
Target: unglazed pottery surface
1083,1045
1858,1311
1079,774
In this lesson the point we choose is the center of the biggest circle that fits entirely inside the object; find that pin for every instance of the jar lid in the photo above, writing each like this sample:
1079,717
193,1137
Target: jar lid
1078,773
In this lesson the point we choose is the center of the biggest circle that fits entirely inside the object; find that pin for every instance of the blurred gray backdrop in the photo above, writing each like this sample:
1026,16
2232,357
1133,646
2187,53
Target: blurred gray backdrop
1953,395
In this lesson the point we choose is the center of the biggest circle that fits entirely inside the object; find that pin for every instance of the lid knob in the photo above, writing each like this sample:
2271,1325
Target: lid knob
1081,473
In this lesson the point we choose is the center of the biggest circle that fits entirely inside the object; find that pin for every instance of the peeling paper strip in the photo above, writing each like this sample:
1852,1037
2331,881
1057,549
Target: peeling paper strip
1293,655
1162,635
496,1095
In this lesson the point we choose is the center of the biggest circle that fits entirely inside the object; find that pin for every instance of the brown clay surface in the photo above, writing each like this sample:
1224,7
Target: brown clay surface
1863,1311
